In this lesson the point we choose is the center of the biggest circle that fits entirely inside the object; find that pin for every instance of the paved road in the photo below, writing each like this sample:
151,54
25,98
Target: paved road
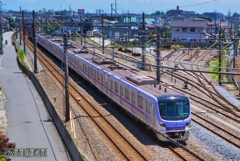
27,118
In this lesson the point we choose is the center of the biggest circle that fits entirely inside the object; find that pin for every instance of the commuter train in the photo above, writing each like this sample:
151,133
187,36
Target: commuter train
164,111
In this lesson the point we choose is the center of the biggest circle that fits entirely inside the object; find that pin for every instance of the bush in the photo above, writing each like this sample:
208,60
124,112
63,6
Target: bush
4,143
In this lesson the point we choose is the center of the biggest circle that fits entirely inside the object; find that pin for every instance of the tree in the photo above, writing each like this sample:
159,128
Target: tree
158,13
13,24
4,143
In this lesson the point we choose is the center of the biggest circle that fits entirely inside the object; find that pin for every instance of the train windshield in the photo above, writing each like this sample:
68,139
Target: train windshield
174,110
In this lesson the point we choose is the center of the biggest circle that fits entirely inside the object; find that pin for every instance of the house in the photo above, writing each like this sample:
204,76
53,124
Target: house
187,31
212,30
5,24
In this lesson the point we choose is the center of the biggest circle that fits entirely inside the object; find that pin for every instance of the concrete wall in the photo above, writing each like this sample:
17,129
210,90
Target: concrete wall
65,136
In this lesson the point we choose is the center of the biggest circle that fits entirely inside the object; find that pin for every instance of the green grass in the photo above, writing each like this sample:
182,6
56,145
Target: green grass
21,54
21,57
215,68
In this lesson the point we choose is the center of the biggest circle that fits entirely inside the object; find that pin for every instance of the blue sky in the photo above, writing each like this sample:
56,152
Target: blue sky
136,6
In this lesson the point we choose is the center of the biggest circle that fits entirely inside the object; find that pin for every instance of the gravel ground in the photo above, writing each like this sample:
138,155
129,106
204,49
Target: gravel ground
211,142
94,147
215,144
227,95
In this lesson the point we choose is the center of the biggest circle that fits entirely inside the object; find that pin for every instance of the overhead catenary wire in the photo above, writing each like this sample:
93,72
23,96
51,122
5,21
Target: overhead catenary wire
152,56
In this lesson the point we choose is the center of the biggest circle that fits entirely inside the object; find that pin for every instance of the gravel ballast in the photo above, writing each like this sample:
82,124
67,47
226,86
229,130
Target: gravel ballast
216,144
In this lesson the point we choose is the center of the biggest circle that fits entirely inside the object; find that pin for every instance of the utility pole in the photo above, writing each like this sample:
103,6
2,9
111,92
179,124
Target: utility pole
111,10
102,36
158,59
220,58
115,6
35,43
143,42
215,25
67,114
23,25
19,26
112,44
1,36
16,32
235,48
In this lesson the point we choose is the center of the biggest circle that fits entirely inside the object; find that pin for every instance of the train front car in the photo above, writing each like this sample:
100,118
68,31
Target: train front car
174,116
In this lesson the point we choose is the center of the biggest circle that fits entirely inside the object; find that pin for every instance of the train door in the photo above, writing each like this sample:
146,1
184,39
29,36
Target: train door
107,82
149,112
95,77
133,102
121,94
89,73
102,81
111,87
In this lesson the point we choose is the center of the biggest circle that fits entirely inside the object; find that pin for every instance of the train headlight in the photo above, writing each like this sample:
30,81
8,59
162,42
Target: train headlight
162,124
188,125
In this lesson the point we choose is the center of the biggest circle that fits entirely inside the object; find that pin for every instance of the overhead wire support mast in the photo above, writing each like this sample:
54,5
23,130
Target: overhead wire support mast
67,112
143,39
23,25
102,35
220,59
1,36
35,43
158,58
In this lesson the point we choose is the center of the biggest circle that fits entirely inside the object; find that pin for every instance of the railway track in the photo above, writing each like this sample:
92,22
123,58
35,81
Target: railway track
215,105
125,149
219,130
97,51
200,82
206,87
216,127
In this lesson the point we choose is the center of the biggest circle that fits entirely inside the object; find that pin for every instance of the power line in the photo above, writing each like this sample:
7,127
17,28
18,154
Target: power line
199,3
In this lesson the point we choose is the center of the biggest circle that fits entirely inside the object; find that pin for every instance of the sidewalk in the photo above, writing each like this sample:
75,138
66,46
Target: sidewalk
28,122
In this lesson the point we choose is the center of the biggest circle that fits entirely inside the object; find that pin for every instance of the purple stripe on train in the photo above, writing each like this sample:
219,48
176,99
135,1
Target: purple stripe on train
175,128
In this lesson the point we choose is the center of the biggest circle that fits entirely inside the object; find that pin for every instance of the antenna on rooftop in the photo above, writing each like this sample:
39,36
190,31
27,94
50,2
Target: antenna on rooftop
116,6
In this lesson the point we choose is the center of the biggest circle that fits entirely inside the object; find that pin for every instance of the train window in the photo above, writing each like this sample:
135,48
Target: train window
88,70
111,84
133,98
116,86
80,65
147,108
121,90
182,109
104,78
163,109
101,78
98,75
140,102
170,109
85,68
127,93
91,71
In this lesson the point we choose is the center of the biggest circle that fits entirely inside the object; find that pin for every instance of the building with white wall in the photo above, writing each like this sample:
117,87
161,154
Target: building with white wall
188,31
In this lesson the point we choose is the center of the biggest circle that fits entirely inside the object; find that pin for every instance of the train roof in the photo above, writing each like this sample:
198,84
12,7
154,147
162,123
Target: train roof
138,80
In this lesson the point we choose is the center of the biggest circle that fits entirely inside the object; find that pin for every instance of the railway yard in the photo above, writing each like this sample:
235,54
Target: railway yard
104,131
